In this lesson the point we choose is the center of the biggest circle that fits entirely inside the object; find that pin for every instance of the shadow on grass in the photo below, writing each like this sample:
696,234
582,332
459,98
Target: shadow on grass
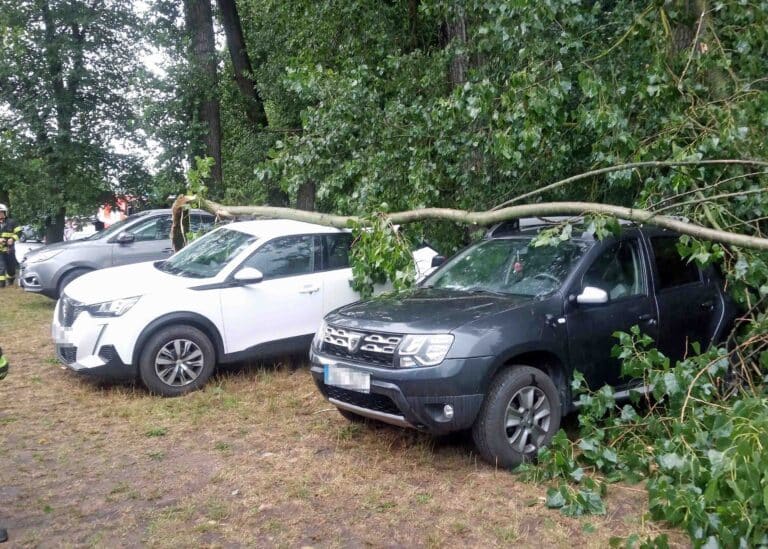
222,373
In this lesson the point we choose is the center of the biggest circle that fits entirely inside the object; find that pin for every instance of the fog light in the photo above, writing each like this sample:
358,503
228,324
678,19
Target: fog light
448,411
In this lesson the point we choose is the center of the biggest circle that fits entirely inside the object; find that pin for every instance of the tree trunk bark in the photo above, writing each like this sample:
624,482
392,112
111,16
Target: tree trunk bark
202,56
413,22
455,32
241,62
54,227
305,198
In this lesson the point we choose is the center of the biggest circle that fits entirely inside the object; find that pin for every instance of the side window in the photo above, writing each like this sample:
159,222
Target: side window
200,223
336,248
618,271
285,256
673,270
157,228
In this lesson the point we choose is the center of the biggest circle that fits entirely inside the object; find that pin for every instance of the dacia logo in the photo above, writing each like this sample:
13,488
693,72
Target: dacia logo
353,342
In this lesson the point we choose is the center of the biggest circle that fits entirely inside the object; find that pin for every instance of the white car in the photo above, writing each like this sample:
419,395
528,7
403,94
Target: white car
247,289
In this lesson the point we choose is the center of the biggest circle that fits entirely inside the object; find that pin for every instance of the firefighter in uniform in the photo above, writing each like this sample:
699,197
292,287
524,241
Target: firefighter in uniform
9,234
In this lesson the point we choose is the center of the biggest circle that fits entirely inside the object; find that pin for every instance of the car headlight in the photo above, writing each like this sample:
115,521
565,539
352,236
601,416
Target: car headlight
111,308
423,350
317,341
42,256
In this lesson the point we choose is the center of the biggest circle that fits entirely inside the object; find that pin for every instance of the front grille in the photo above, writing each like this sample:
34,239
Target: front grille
66,353
68,311
369,401
368,347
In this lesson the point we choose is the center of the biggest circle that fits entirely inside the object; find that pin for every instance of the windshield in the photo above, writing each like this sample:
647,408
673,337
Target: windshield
509,266
208,255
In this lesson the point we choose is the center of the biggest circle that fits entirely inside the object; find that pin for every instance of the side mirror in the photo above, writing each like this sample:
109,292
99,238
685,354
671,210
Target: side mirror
249,275
437,260
125,238
592,296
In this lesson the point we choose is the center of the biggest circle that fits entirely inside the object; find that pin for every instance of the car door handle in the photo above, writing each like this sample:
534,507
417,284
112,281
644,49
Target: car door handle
708,305
647,317
309,289
168,250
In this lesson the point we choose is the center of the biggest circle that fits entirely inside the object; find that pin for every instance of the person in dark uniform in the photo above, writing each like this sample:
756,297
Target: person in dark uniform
9,235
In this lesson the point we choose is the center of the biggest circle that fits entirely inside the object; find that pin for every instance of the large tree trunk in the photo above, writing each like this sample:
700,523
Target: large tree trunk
305,198
241,62
455,32
54,227
202,56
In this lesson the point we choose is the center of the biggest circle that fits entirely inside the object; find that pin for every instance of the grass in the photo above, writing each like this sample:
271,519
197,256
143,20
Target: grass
257,458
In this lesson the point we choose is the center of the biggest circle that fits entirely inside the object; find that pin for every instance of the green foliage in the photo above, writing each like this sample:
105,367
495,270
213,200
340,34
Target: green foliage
65,69
698,442
380,253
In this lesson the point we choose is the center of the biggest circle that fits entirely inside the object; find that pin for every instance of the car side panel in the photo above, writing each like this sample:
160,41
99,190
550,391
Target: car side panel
125,332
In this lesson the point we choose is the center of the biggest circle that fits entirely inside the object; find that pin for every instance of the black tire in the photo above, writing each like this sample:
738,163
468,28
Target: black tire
69,276
176,360
518,394
22,237
352,416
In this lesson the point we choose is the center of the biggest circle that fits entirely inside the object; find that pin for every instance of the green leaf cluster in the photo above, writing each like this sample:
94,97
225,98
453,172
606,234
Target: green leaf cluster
698,440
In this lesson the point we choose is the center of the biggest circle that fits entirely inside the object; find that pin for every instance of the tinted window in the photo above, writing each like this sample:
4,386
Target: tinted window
673,270
285,256
337,250
157,228
618,271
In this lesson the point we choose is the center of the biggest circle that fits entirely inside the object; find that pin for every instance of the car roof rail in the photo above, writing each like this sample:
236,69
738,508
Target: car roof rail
515,226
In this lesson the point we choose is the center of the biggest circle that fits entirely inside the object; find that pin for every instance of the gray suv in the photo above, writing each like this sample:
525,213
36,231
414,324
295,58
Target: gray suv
141,237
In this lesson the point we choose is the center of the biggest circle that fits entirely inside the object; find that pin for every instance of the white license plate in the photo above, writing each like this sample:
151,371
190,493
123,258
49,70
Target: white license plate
60,335
347,378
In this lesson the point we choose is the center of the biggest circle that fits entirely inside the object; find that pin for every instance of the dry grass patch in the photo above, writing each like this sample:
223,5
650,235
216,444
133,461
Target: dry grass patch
257,458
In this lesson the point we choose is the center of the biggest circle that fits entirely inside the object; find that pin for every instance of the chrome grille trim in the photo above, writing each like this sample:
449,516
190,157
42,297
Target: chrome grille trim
364,346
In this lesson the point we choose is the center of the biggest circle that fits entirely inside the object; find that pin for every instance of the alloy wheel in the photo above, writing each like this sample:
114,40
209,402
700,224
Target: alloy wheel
527,419
179,362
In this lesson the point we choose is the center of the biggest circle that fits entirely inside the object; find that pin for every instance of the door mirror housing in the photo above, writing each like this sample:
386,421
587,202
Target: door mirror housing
249,275
591,295
437,260
125,238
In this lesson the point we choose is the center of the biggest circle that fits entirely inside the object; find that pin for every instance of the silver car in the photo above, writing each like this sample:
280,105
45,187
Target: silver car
141,237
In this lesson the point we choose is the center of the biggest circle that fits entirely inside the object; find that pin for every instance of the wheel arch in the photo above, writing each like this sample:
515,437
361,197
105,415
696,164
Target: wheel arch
62,274
185,318
545,360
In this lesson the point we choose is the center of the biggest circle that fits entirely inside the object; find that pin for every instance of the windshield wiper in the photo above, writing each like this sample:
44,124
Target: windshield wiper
484,291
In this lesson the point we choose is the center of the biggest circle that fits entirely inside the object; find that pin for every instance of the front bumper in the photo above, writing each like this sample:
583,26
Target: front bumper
37,278
89,347
412,397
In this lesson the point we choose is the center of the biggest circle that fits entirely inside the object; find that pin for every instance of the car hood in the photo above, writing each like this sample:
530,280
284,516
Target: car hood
63,245
423,310
126,281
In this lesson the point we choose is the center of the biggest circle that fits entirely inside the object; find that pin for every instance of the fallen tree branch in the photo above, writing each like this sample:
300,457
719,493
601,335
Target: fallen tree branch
630,166
496,216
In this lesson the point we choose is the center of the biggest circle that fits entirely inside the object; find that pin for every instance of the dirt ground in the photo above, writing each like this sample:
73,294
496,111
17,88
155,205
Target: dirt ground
258,458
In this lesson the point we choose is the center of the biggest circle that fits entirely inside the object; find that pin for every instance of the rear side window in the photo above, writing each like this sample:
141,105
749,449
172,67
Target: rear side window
336,248
673,270
285,256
